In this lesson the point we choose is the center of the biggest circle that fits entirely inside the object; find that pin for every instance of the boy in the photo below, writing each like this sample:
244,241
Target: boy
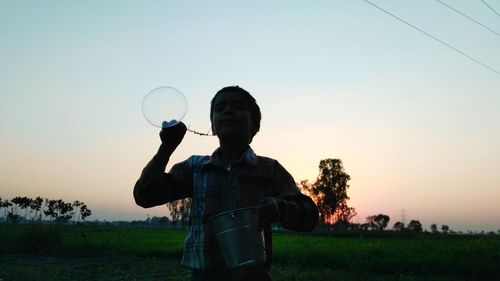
232,177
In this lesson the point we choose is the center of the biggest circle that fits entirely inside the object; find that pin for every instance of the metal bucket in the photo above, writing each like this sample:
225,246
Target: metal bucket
240,240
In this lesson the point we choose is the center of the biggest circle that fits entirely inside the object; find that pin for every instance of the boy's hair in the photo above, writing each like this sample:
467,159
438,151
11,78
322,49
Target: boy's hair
255,115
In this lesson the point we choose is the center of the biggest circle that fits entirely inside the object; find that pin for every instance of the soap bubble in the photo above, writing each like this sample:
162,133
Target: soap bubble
164,106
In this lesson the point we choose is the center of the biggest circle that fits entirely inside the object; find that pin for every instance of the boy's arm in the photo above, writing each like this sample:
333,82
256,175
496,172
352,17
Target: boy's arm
289,206
294,212
301,213
154,187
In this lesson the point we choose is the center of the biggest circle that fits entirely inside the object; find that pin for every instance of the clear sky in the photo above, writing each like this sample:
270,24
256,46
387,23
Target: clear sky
416,124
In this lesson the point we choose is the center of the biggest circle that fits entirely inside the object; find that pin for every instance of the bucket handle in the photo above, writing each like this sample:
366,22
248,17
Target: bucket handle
255,209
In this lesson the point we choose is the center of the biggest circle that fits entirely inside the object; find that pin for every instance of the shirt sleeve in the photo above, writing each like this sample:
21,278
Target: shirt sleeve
155,187
300,211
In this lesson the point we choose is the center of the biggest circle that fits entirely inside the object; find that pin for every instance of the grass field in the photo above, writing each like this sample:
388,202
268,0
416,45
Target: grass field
31,252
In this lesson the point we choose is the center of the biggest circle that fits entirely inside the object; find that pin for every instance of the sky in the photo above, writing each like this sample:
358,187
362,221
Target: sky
414,118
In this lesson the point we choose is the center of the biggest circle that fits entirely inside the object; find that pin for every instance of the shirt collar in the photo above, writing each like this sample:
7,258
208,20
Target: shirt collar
249,157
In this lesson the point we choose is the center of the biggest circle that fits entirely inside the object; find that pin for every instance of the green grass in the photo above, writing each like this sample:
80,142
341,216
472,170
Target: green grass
128,253
422,255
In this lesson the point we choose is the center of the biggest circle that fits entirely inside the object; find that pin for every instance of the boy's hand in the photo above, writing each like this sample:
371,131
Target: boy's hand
271,210
172,136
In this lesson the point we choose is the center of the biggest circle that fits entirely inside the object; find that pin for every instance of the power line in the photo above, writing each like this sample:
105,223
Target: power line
435,38
494,11
461,13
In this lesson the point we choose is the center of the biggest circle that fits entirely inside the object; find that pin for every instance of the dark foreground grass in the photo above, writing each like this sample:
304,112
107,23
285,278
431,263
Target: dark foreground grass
26,267
30,252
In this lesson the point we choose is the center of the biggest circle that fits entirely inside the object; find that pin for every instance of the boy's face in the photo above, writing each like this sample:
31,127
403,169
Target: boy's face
231,117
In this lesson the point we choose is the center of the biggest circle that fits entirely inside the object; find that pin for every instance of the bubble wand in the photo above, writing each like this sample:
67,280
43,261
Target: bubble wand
165,107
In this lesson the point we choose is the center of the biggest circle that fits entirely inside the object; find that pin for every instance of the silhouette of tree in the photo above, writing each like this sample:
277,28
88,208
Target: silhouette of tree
179,211
433,228
36,206
5,204
55,210
17,203
379,221
64,211
85,212
398,226
50,211
415,226
25,204
159,221
60,211
445,228
344,213
163,220
330,192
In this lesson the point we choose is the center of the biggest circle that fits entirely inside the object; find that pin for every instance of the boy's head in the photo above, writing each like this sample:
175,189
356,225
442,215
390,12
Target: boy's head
234,113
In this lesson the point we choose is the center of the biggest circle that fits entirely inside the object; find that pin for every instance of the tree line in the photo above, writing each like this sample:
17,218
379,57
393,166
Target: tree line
329,192
32,210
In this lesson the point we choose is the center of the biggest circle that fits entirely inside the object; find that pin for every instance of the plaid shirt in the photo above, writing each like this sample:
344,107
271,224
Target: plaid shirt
216,187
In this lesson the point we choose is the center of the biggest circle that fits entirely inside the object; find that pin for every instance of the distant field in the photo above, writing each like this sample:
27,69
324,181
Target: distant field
30,252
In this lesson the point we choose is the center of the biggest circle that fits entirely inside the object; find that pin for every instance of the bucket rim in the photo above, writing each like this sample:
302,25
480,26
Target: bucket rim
232,211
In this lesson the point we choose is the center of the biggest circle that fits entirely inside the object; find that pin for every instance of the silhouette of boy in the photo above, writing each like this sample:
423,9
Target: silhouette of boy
232,177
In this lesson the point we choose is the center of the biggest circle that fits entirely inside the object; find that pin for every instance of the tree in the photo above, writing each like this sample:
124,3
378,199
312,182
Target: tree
180,210
60,211
85,212
50,209
163,220
379,221
382,221
5,204
17,202
344,213
64,210
445,228
330,192
25,204
79,211
55,210
36,206
414,226
399,226
434,228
